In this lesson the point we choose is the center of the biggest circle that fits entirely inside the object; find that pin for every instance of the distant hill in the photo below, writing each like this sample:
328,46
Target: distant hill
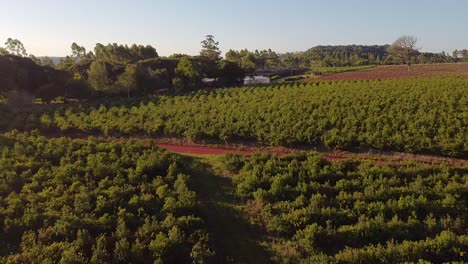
56,60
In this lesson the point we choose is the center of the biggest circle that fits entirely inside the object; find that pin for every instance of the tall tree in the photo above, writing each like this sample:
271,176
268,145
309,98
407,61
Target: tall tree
232,56
66,63
128,81
210,48
189,74
35,59
464,54
98,76
78,51
122,54
404,48
230,73
15,47
248,61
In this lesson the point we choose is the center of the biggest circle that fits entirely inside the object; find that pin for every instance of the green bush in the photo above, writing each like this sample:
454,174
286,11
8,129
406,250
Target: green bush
86,201
357,212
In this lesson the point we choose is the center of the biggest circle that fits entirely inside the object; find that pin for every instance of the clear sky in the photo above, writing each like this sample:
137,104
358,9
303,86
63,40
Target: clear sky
48,27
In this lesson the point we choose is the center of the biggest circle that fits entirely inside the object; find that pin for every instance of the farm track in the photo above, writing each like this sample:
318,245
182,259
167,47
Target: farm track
380,158
184,146
235,239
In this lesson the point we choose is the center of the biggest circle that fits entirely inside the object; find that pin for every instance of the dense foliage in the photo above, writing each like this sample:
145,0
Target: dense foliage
333,56
414,115
355,212
136,70
122,54
84,201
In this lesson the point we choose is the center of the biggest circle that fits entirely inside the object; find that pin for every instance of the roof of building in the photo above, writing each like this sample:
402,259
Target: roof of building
251,78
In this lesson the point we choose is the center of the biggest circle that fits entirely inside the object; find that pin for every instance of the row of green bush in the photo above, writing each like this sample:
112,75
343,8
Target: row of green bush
355,211
85,201
416,115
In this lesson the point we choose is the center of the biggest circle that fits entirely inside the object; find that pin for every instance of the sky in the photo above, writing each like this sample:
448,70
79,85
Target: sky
48,27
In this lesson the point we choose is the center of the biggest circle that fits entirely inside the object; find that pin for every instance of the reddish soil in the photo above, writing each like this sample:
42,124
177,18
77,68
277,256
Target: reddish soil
184,146
202,150
380,158
398,72
221,150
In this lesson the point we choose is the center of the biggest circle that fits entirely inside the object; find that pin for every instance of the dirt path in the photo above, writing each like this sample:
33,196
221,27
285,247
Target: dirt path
202,150
221,150
183,146
236,241
378,157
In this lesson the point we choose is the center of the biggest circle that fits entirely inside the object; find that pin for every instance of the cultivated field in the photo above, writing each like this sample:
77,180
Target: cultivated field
257,193
426,115
396,72
353,211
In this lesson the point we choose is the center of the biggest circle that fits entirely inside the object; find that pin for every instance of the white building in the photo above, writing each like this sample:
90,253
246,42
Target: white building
209,80
252,80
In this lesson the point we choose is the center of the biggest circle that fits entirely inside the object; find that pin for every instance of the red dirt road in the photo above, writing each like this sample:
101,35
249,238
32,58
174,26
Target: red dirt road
379,158
183,146
202,150
219,150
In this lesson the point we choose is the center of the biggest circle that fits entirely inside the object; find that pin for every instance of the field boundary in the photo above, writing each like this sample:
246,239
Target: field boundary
186,146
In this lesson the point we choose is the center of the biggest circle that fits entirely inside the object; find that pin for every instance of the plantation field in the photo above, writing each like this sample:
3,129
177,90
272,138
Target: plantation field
84,201
315,211
99,201
89,182
399,72
128,153
423,115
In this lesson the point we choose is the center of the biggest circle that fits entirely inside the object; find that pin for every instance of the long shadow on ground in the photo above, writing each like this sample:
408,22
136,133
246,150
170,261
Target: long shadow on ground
235,240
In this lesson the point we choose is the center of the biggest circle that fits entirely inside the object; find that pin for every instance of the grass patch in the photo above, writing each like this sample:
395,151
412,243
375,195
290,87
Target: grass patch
324,70
330,70
236,239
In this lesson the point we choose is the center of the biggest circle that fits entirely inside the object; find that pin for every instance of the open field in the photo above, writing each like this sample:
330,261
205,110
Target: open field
311,74
397,72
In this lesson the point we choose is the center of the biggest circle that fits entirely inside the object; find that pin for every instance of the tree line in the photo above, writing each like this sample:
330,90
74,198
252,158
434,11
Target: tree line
403,51
115,69
137,70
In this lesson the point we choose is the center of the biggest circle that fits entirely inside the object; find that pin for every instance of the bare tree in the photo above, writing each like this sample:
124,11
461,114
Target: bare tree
405,49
